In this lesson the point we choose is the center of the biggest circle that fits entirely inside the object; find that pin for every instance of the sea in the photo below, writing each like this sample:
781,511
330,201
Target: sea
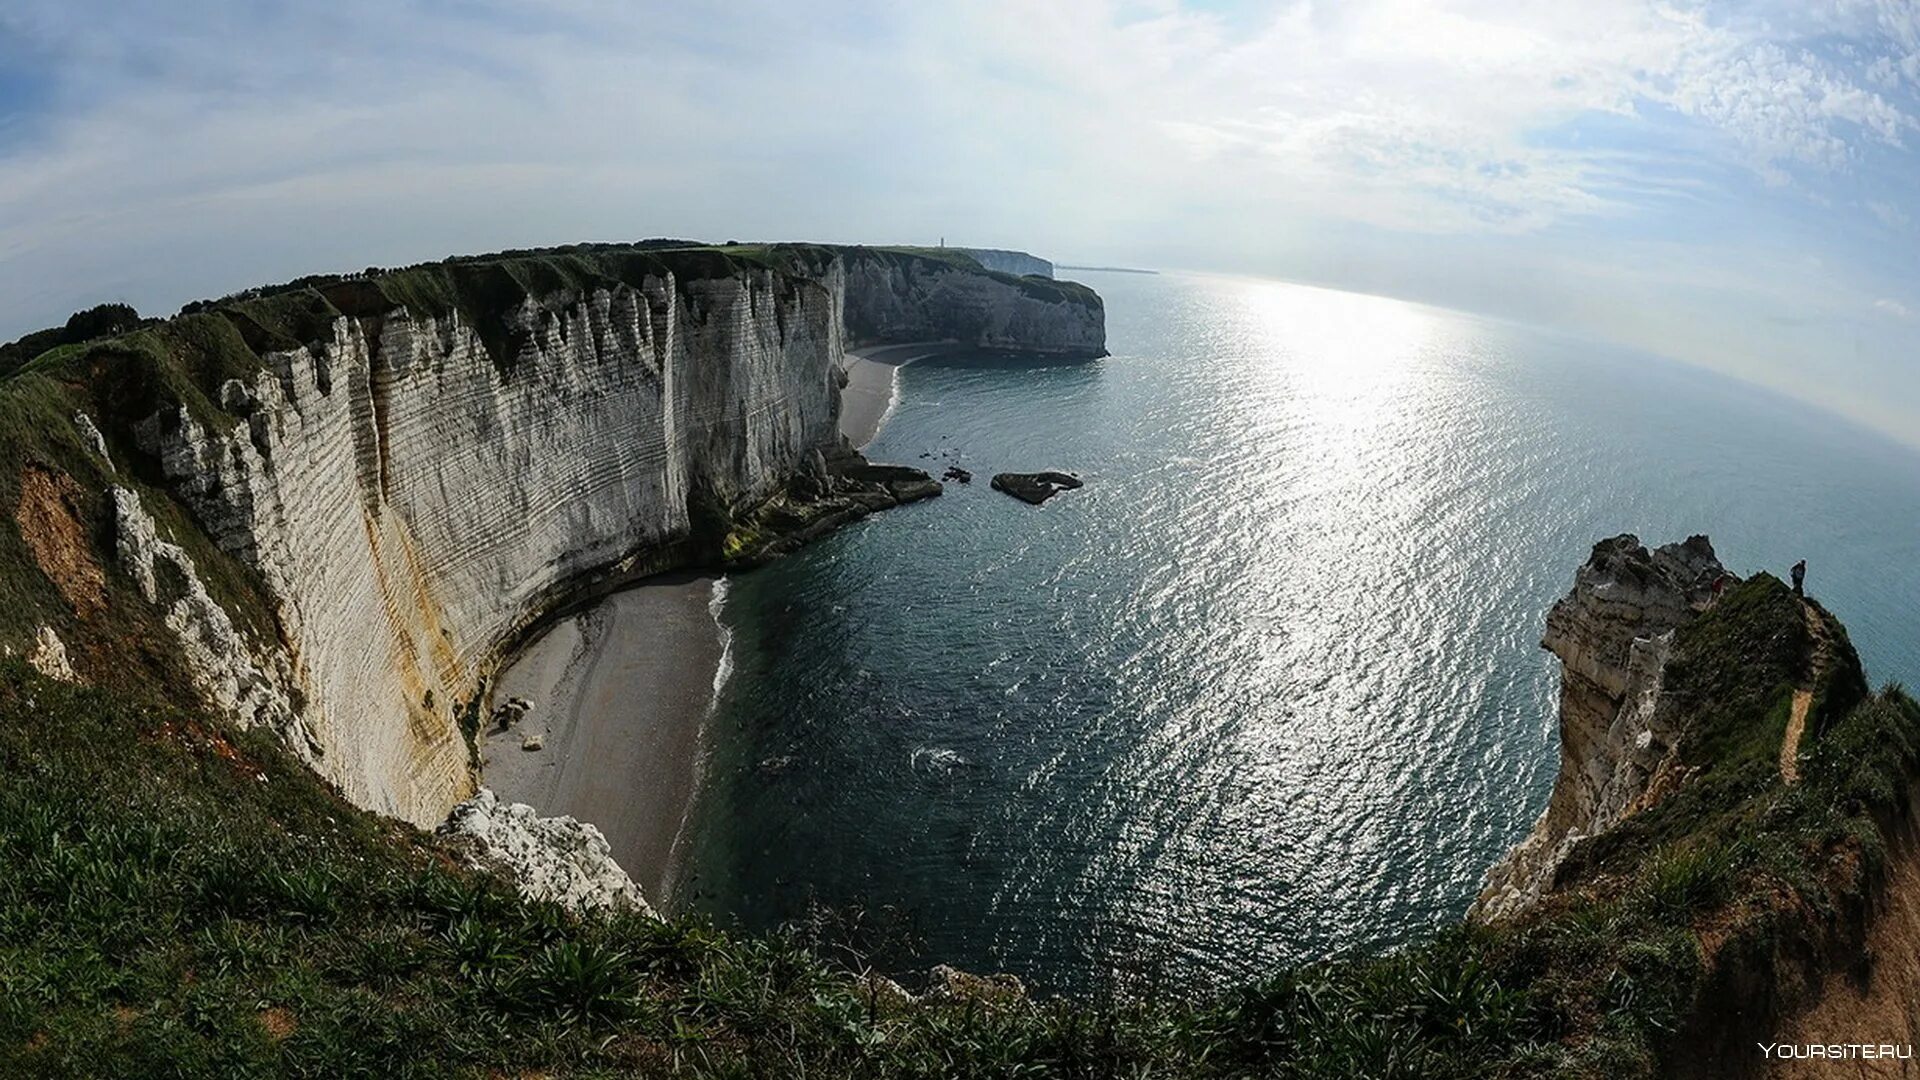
1269,688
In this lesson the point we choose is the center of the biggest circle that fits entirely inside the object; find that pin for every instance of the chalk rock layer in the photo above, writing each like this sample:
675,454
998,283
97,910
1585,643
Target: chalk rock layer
555,859
452,452
1613,633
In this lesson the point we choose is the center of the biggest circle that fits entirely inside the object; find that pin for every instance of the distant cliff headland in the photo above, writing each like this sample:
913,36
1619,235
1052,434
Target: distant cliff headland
261,558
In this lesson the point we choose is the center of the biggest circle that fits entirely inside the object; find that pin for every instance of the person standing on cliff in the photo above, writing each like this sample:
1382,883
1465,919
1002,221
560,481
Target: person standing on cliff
1799,578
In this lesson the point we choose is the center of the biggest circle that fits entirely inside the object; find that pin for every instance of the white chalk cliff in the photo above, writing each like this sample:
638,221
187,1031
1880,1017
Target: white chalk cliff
412,500
1613,633
893,299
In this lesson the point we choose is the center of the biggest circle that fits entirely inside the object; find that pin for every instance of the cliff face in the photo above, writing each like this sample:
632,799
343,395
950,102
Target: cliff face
1731,835
1017,263
1613,634
410,509
896,297
434,458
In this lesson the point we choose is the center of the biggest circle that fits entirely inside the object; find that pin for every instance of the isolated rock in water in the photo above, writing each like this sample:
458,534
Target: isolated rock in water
957,475
549,858
1035,487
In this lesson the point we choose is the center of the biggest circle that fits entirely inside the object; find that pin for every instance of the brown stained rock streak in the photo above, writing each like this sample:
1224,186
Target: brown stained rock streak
49,522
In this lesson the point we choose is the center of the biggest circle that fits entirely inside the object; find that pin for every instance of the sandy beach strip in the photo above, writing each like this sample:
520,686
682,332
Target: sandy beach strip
873,386
621,689
620,695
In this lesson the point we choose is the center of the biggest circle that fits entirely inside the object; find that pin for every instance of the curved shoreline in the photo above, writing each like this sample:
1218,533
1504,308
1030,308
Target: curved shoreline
620,694
872,389
622,687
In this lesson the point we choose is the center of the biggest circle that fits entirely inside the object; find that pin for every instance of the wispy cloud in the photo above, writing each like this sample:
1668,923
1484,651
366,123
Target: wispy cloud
1679,173
1888,214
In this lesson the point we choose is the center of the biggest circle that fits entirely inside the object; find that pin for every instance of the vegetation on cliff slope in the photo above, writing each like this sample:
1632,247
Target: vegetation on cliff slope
57,539
180,899
104,320
224,337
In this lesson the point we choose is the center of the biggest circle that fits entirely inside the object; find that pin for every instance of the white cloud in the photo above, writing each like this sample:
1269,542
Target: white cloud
1888,214
1893,307
1424,115
1481,152
1462,115
1789,106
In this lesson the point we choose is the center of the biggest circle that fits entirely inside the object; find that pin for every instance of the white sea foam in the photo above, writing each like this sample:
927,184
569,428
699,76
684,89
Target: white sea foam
937,759
893,402
722,671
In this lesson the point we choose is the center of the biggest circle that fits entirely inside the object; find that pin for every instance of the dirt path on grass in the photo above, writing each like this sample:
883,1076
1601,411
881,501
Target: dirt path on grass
1803,696
1878,1004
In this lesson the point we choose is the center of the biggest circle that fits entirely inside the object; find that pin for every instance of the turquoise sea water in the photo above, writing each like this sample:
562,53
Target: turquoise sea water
1269,687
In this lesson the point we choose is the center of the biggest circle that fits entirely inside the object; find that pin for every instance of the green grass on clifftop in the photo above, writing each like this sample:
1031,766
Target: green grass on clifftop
183,360
211,340
178,899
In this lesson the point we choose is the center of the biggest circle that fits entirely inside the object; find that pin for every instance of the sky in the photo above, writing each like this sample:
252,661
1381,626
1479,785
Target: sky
1735,185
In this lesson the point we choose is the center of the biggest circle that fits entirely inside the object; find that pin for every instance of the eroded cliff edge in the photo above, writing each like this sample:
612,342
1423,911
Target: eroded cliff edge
329,506
1731,829
1613,634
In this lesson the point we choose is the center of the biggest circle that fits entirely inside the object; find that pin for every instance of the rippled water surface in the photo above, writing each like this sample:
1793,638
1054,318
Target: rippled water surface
1269,686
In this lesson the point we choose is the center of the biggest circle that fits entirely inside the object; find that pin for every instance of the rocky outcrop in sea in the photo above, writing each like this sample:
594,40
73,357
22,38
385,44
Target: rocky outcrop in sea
1035,487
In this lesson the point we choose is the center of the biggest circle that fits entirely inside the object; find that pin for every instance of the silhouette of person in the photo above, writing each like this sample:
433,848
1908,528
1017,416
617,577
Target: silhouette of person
1799,578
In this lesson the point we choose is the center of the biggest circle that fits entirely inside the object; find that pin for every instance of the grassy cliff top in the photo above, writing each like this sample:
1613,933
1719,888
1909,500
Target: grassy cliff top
133,366
181,899
184,359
